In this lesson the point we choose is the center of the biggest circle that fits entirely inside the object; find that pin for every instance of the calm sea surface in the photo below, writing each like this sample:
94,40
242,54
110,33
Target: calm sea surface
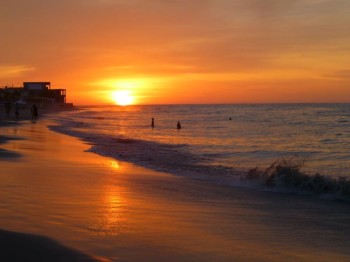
255,136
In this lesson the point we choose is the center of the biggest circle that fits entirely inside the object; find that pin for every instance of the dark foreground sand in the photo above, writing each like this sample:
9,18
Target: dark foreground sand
122,212
25,247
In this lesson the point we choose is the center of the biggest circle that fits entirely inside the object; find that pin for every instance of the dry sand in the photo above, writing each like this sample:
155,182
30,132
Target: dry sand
121,212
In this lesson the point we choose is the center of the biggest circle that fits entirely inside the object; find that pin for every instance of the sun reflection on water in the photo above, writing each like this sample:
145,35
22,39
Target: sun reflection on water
114,165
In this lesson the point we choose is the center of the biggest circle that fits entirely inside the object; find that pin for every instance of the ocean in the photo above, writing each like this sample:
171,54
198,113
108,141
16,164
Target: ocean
208,203
225,143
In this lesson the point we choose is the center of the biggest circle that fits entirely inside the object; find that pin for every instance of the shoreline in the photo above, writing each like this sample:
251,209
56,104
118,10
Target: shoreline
123,212
282,176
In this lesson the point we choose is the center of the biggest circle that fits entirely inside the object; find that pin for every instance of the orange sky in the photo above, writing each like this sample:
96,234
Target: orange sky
180,51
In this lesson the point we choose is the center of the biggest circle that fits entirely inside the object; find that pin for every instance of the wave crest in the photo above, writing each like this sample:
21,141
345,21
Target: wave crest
286,173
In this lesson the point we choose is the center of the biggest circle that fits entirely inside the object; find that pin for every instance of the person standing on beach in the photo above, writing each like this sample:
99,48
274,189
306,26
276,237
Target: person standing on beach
152,124
17,111
34,111
7,109
178,126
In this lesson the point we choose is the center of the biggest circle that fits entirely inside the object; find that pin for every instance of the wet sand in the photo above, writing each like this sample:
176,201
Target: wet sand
25,247
121,212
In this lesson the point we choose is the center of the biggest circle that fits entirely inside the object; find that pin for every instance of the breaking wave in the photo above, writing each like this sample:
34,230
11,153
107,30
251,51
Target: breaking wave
284,175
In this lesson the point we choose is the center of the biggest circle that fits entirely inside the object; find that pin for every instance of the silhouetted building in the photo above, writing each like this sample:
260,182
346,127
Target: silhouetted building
34,92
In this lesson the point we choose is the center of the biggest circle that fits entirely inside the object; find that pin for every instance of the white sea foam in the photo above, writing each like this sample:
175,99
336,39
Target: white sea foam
212,147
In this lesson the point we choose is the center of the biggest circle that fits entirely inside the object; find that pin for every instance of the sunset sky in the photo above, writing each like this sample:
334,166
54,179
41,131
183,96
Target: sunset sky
180,51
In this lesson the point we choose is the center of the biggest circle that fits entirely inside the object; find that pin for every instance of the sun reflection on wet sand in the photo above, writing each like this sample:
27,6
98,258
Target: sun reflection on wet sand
115,165
113,217
71,196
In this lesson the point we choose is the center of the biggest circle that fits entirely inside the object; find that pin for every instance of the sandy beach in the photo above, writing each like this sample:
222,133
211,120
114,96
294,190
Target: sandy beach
89,207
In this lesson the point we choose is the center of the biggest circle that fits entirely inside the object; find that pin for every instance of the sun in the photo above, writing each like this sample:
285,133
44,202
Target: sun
122,97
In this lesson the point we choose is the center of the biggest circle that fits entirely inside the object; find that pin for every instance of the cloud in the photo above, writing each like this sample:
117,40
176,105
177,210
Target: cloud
14,71
340,75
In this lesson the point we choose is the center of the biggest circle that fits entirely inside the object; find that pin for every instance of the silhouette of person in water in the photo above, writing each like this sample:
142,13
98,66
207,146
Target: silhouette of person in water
178,126
17,111
34,111
152,124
